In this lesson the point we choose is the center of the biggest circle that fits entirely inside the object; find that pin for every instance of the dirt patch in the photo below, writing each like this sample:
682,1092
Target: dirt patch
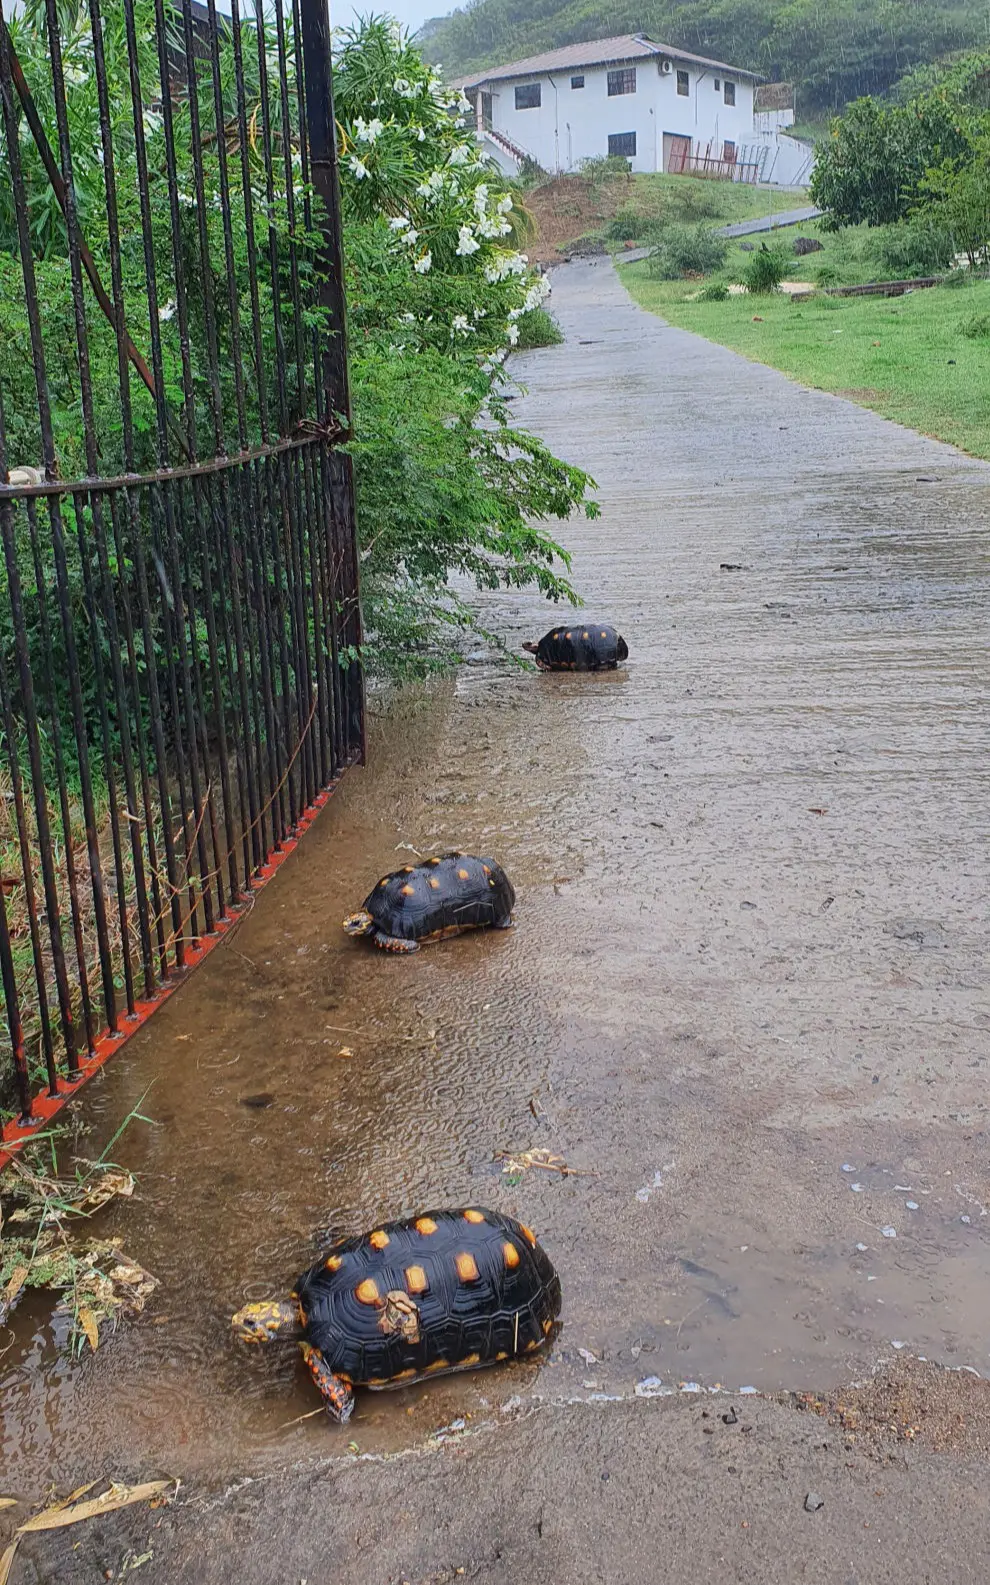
945,1411
568,208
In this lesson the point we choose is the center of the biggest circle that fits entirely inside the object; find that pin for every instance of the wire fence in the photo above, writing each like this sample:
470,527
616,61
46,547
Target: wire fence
179,619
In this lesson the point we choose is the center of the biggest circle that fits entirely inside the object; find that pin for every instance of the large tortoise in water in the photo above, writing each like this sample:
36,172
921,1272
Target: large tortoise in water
445,1291
584,646
441,897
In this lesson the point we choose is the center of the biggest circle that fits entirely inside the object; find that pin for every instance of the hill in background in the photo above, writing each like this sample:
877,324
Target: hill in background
832,50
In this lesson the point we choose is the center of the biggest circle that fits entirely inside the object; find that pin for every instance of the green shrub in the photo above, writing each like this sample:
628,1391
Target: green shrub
828,275
627,225
764,271
537,328
977,328
957,278
605,168
912,248
714,292
687,250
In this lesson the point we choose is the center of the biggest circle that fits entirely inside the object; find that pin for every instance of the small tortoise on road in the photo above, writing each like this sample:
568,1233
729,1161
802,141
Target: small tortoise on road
447,1291
441,897
580,647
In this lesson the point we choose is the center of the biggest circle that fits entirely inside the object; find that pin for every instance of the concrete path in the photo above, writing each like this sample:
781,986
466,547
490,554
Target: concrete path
771,222
746,998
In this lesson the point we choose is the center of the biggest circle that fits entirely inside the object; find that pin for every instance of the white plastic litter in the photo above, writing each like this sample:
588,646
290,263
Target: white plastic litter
651,1387
889,1232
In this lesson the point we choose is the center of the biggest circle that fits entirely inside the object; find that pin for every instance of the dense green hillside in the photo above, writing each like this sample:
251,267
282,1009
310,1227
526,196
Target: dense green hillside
833,50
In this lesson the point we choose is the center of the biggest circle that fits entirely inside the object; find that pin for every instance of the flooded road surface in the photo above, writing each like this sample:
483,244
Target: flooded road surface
746,995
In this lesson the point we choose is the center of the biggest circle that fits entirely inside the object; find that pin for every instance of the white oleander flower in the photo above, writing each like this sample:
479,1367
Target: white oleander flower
425,264
467,243
358,167
368,131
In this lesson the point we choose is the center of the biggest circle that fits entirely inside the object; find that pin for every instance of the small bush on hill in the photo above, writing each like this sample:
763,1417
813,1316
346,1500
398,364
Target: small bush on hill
627,225
764,272
687,250
828,275
604,168
714,292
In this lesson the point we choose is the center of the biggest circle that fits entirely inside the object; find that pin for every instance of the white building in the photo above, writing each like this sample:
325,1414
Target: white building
658,107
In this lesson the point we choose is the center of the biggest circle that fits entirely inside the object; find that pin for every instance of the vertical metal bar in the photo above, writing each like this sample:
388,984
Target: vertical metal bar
8,979
321,129
261,384
127,425
41,575
27,871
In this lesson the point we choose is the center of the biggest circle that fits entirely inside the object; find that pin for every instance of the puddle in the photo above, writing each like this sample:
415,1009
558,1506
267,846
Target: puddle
749,952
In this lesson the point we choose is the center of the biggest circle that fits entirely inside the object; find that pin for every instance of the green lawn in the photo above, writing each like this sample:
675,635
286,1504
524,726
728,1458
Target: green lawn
907,357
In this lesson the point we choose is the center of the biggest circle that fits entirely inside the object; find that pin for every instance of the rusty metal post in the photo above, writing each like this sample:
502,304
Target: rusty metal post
321,137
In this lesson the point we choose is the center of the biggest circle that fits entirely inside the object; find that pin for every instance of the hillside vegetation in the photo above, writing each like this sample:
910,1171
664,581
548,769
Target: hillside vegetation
833,50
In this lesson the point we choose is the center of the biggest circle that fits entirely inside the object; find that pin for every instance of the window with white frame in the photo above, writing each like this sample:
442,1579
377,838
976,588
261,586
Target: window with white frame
730,93
578,81
528,96
622,81
683,84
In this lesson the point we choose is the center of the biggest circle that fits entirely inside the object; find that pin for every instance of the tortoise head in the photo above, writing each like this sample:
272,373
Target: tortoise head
531,648
260,1323
359,924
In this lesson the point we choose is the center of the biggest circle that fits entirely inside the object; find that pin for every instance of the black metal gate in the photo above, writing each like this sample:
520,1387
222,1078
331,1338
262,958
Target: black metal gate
179,623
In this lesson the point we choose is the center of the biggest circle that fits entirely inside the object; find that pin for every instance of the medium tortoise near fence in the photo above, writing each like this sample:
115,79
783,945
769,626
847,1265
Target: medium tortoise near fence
584,646
445,1291
426,902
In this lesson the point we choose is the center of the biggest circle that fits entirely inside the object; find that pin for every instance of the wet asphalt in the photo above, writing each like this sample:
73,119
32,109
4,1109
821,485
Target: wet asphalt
745,999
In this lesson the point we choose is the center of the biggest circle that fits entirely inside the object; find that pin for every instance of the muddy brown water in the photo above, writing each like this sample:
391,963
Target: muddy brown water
745,996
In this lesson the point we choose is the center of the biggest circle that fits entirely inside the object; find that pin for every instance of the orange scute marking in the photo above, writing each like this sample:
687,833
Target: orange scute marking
416,1279
486,869
333,1263
546,1326
425,1225
435,884
467,1267
567,635
366,1292
534,1343
439,1364
604,634
469,1360
379,1240
511,1254
585,635
462,875
408,891
474,1216
529,1233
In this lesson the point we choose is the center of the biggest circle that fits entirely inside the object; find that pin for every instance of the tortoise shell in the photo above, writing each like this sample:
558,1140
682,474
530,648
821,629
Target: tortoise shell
446,1291
581,647
441,897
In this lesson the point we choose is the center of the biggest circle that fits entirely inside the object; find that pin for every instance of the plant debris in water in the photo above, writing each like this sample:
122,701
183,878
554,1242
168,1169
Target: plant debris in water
97,1282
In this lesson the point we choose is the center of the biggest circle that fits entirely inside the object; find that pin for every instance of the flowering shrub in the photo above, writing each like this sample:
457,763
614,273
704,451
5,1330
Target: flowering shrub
436,290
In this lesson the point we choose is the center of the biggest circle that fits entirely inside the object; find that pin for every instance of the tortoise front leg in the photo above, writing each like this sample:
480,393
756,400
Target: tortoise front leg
337,1395
386,943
